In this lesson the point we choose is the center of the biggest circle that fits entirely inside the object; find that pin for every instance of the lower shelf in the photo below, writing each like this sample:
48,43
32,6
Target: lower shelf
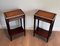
41,32
16,30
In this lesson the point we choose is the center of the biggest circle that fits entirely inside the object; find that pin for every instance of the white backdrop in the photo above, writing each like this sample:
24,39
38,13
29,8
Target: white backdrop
30,7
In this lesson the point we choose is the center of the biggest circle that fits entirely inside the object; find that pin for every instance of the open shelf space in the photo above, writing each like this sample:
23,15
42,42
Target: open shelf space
16,30
41,32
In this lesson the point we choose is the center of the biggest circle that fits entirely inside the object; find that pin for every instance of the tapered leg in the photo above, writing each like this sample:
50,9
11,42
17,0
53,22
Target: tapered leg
24,25
8,28
50,30
34,26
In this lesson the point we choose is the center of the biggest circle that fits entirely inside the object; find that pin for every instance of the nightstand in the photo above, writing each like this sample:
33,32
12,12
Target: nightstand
46,17
15,15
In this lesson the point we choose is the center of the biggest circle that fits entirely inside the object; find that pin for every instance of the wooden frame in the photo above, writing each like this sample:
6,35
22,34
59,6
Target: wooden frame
12,15
46,17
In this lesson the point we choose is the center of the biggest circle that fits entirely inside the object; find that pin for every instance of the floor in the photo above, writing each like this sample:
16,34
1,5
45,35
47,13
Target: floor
29,39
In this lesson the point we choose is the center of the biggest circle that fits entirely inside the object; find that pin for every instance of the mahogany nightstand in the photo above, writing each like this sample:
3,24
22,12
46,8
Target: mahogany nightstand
11,16
46,17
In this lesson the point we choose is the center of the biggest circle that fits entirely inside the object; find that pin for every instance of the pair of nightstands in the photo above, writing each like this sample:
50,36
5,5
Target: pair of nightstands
40,15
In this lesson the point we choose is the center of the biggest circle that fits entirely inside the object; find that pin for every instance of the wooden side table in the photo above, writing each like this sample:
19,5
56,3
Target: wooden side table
46,17
12,15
